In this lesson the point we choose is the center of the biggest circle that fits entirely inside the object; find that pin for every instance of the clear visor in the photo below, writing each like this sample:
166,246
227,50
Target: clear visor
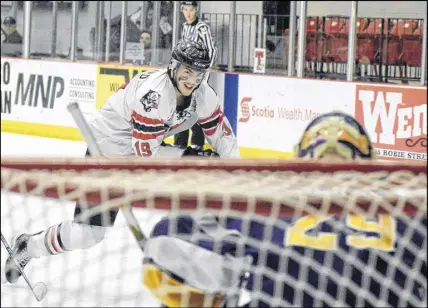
190,74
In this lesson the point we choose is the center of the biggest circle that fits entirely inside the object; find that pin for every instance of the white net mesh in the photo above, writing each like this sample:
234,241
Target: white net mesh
319,234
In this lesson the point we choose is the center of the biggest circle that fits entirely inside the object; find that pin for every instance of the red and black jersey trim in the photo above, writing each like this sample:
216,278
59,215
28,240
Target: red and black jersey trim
210,124
148,129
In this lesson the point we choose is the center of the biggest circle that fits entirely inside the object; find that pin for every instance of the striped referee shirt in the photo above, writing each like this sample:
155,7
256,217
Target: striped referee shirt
200,32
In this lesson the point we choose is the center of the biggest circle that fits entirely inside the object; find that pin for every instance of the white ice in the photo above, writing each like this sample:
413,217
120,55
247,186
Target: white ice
106,275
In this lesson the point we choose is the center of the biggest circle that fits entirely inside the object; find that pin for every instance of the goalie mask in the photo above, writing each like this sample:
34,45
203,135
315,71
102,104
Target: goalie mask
189,65
335,133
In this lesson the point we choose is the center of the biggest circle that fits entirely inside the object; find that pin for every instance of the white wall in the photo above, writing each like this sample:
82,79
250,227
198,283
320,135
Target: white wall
393,9
242,7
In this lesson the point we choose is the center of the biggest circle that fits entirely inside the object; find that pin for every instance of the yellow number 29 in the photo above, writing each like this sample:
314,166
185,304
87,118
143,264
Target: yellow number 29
384,228
296,235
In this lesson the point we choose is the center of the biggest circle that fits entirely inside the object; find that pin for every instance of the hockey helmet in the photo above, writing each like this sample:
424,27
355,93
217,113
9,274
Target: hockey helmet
193,4
192,54
336,133
9,21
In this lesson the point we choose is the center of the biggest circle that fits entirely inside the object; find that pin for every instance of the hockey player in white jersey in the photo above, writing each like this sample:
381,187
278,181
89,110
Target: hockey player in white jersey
135,121
159,104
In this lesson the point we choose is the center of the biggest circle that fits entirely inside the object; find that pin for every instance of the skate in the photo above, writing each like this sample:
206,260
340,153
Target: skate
19,250
197,147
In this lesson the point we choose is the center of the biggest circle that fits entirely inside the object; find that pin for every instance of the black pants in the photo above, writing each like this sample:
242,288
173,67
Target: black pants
100,219
181,139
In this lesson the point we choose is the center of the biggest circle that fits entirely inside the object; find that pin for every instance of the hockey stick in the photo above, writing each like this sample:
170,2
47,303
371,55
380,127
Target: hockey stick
95,151
39,289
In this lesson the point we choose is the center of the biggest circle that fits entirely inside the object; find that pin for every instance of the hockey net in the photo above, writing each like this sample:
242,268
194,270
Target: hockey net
319,234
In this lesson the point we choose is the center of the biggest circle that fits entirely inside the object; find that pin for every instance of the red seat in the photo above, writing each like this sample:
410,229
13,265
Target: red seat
333,25
404,27
336,42
375,27
360,27
411,42
412,50
419,29
336,48
368,42
314,47
367,49
391,51
311,48
313,39
312,24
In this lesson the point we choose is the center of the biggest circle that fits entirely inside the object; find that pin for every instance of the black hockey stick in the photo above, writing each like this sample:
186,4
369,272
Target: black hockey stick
39,289
95,151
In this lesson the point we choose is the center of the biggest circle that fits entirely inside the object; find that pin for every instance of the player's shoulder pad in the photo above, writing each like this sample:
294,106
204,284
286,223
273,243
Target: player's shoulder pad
207,98
208,91
154,93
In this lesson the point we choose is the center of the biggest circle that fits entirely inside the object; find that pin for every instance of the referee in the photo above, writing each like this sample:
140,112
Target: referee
196,30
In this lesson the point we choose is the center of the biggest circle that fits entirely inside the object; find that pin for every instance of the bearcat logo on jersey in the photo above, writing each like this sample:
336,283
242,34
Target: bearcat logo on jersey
150,100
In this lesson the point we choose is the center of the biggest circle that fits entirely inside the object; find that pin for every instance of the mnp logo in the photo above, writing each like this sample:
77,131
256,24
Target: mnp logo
395,119
245,110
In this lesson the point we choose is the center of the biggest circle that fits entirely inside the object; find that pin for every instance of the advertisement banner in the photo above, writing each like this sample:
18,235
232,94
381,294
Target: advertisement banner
274,111
395,119
111,77
259,60
35,91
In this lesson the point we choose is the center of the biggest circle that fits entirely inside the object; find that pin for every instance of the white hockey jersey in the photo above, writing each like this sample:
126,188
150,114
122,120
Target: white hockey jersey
137,118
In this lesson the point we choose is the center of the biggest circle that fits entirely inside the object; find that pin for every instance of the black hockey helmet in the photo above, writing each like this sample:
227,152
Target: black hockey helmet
192,54
9,21
189,3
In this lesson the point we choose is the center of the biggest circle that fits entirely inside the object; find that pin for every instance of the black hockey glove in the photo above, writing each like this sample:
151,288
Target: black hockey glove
189,151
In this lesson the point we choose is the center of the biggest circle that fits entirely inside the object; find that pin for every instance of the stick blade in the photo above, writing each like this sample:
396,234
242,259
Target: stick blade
40,290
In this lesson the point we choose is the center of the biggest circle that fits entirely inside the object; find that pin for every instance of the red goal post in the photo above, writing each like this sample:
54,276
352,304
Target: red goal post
264,190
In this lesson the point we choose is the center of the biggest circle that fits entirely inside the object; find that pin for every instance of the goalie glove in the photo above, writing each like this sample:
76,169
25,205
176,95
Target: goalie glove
189,151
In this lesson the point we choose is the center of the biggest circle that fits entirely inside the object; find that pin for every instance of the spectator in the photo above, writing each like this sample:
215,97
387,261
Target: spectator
3,34
199,31
165,28
146,42
12,35
132,35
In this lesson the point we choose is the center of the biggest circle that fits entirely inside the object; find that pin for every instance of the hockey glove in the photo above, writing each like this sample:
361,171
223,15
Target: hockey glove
189,151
